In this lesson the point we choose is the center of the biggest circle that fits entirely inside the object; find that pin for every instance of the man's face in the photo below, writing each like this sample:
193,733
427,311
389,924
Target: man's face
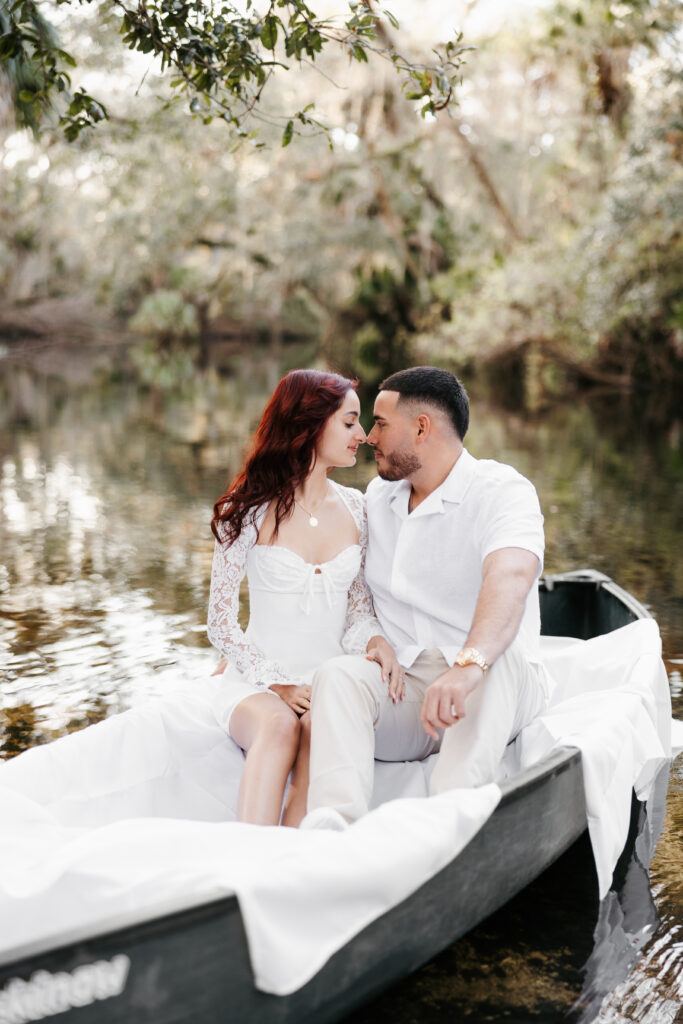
392,438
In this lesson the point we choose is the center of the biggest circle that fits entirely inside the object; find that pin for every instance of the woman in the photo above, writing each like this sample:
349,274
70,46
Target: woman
301,539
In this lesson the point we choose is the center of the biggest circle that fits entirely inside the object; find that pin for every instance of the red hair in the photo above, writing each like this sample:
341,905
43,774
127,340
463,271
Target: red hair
282,449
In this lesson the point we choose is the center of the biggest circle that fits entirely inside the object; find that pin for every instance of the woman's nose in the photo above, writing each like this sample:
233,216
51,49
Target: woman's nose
361,435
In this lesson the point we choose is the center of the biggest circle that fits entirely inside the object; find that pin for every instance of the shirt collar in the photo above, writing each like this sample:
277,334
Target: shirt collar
457,483
452,489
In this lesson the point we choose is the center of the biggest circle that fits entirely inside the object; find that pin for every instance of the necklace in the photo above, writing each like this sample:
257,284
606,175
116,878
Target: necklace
312,521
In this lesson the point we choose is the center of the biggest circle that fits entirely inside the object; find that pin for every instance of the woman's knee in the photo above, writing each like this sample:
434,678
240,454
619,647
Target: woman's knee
283,723
279,729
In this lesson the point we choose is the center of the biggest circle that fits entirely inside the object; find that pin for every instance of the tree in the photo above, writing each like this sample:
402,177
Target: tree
221,59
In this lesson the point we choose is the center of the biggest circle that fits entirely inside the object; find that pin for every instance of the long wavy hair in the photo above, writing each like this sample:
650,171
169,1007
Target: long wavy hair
282,450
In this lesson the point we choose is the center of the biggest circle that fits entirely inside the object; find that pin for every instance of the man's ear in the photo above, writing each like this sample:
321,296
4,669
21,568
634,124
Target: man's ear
424,426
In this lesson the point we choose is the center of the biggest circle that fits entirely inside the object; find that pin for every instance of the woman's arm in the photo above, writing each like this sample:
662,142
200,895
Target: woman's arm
223,628
361,624
362,631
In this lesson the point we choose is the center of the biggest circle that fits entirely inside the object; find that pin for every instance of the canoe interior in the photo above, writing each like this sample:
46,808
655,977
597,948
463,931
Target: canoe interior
585,604
193,964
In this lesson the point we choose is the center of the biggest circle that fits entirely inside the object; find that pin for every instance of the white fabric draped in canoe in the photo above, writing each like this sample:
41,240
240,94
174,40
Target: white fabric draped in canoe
139,811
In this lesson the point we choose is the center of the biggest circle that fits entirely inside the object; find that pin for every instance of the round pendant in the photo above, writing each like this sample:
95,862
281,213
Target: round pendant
312,521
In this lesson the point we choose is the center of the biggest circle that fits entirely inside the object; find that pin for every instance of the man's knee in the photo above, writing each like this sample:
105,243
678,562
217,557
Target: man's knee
348,681
341,668
348,673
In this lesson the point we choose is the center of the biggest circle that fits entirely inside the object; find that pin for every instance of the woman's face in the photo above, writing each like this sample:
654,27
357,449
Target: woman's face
342,434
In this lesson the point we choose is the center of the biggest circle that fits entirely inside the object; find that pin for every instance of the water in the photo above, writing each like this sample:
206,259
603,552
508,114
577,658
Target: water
105,556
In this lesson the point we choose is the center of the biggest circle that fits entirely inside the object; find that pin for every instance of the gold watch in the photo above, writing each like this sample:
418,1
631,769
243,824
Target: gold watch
471,656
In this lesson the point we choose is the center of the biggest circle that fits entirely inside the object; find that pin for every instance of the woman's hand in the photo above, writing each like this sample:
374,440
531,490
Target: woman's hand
298,698
381,651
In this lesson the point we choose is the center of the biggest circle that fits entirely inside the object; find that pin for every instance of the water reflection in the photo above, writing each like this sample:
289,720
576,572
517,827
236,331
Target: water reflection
105,556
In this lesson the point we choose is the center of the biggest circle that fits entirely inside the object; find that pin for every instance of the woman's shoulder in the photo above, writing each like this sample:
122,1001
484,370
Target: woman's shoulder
351,495
251,524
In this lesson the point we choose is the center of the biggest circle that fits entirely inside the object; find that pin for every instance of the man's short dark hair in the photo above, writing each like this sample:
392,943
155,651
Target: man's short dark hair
436,387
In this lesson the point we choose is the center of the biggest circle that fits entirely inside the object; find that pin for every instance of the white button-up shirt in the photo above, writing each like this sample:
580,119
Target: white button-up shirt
424,568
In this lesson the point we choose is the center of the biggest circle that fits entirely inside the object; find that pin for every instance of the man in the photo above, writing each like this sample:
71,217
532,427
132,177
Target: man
455,550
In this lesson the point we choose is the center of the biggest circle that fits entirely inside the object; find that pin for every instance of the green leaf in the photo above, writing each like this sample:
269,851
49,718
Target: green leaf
27,96
67,58
269,32
288,133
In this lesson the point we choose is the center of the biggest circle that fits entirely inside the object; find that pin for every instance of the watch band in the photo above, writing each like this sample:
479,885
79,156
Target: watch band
471,656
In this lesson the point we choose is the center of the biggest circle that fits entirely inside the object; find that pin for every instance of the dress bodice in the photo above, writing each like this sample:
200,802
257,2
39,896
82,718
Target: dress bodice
300,613
298,609
274,569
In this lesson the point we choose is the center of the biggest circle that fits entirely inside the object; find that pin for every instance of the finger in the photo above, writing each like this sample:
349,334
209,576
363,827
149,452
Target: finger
430,729
448,711
442,716
427,717
377,657
396,683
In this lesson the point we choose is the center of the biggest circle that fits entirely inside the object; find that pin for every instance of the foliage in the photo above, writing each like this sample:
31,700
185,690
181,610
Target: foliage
377,323
592,289
169,328
220,56
166,316
529,232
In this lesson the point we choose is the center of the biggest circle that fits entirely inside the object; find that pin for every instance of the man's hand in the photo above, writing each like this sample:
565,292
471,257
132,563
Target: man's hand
381,651
444,700
298,698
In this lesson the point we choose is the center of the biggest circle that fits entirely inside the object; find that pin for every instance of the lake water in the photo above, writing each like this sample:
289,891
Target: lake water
105,558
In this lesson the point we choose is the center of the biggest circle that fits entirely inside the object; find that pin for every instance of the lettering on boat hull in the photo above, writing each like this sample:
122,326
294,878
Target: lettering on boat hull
46,994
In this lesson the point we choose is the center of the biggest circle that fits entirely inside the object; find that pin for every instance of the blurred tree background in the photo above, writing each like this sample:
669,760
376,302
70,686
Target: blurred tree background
529,234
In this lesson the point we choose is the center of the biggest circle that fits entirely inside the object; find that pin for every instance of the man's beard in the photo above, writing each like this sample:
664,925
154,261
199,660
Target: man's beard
398,465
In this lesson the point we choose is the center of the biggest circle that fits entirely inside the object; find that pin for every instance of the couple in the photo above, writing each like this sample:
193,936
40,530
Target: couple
391,626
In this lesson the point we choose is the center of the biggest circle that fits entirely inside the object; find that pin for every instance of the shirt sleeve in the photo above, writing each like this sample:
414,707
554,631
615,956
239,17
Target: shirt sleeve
361,623
515,519
223,628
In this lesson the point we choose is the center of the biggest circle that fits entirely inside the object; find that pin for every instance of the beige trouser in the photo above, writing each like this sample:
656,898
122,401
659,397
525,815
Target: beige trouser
354,721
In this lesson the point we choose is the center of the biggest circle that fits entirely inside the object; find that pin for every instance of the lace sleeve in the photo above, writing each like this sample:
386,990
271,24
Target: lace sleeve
361,624
223,628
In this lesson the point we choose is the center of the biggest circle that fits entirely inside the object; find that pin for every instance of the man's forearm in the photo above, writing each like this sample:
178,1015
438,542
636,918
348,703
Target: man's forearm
507,577
509,574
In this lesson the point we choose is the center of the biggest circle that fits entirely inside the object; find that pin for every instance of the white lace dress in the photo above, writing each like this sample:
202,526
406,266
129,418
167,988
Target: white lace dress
301,613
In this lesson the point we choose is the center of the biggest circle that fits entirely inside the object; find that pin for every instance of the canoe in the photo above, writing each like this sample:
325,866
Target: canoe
189,960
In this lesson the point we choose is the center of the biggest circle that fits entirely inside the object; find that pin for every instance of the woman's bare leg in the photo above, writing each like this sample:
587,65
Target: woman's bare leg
268,731
295,808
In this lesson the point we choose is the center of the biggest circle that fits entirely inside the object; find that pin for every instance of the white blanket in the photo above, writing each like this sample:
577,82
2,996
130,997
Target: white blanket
612,701
106,820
